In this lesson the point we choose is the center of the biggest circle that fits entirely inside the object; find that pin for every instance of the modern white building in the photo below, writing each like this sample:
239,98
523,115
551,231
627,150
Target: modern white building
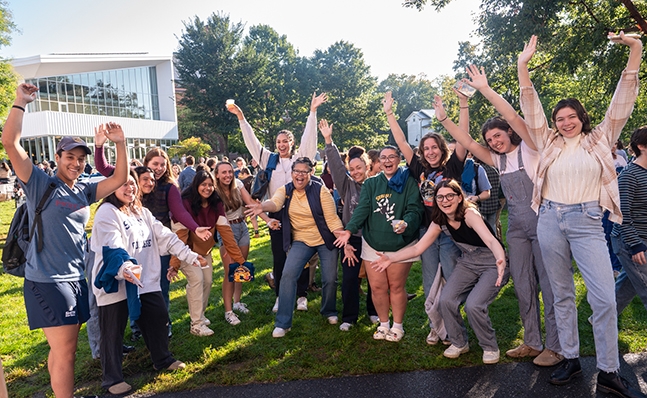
419,124
80,91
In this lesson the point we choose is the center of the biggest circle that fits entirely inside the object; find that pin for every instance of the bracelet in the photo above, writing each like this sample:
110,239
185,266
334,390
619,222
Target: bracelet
465,107
19,107
389,114
443,119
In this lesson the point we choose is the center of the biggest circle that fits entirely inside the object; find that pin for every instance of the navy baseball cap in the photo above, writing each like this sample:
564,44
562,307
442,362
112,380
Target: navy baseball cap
69,143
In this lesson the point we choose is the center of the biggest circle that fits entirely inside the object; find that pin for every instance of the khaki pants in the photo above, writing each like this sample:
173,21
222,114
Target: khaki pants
198,288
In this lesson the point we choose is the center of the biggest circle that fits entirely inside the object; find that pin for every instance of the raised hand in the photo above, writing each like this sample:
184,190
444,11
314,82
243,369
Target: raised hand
233,108
387,102
441,114
26,93
317,100
114,132
100,136
326,130
478,79
528,51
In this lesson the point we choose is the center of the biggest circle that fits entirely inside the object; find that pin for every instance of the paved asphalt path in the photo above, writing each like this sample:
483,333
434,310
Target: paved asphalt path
520,379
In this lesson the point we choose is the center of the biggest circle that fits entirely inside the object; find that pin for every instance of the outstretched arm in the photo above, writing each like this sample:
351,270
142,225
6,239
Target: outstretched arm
427,239
25,93
308,145
398,134
463,123
474,220
478,80
252,143
114,133
461,136
523,59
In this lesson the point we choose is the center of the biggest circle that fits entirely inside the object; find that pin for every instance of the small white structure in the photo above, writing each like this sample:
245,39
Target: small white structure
80,91
419,124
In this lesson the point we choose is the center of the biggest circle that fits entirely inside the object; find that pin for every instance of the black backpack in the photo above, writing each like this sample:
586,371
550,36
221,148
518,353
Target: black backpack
19,236
262,179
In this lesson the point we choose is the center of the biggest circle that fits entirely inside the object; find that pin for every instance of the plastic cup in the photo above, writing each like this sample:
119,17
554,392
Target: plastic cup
229,103
137,271
397,224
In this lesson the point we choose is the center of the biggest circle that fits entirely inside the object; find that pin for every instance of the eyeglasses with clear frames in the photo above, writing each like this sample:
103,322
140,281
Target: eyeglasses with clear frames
449,196
301,172
392,158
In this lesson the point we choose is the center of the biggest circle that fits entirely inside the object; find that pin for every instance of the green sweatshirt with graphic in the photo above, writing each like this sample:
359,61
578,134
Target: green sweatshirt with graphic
379,205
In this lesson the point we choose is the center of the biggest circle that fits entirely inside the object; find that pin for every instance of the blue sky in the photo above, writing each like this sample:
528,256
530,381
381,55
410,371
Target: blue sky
394,39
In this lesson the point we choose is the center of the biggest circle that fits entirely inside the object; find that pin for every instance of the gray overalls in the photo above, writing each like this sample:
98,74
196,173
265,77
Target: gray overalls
472,282
523,248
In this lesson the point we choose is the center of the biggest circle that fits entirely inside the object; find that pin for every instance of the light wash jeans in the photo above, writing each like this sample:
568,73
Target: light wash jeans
632,279
577,229
443,250
298,256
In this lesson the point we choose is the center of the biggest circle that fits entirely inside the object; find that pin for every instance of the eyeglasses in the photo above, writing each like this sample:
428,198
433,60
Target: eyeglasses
392,158
301,172
449,196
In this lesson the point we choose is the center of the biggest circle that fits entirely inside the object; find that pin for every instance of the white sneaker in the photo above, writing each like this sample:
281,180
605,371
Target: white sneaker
279,332
432,337
302,304
205,321
490,357
374,319
333,319
345,327
395,335
201,330
231,318
455,352
241,307
275,309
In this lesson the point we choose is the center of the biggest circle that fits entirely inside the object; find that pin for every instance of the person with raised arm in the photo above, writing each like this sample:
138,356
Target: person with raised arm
479,275
281,176
434,164
349,185
164,201
57,272
575,183
510,149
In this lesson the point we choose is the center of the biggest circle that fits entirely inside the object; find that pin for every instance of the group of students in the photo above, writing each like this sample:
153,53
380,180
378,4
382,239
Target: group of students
556,181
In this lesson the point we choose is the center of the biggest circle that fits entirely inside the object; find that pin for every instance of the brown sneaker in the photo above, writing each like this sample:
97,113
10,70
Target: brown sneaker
269,278
522,351
548,358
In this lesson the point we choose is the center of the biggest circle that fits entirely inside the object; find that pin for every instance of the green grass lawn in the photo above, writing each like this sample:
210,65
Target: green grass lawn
247,353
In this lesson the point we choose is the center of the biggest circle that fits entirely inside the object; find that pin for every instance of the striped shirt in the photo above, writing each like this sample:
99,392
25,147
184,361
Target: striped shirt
599,142
632,184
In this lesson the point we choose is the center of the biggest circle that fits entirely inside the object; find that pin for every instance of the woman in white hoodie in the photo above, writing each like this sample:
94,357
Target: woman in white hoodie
128,241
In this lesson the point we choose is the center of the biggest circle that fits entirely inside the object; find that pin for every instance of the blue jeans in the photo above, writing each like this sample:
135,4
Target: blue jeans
633,278
442,251
577,229
298,256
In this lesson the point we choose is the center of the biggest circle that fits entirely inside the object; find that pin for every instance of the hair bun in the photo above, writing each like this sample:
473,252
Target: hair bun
355,152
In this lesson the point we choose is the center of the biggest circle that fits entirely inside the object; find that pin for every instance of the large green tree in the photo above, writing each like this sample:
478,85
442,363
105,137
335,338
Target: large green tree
212,67
354,105
575,58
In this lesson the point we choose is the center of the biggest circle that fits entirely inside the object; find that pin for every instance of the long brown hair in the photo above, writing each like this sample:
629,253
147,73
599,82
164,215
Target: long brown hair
229,194
437,215
442,145
167,176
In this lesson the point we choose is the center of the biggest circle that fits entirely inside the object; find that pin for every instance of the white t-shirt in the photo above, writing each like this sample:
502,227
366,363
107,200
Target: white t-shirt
530,161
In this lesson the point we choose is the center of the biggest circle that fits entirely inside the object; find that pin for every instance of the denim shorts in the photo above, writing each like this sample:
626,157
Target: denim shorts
56,304
241,234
